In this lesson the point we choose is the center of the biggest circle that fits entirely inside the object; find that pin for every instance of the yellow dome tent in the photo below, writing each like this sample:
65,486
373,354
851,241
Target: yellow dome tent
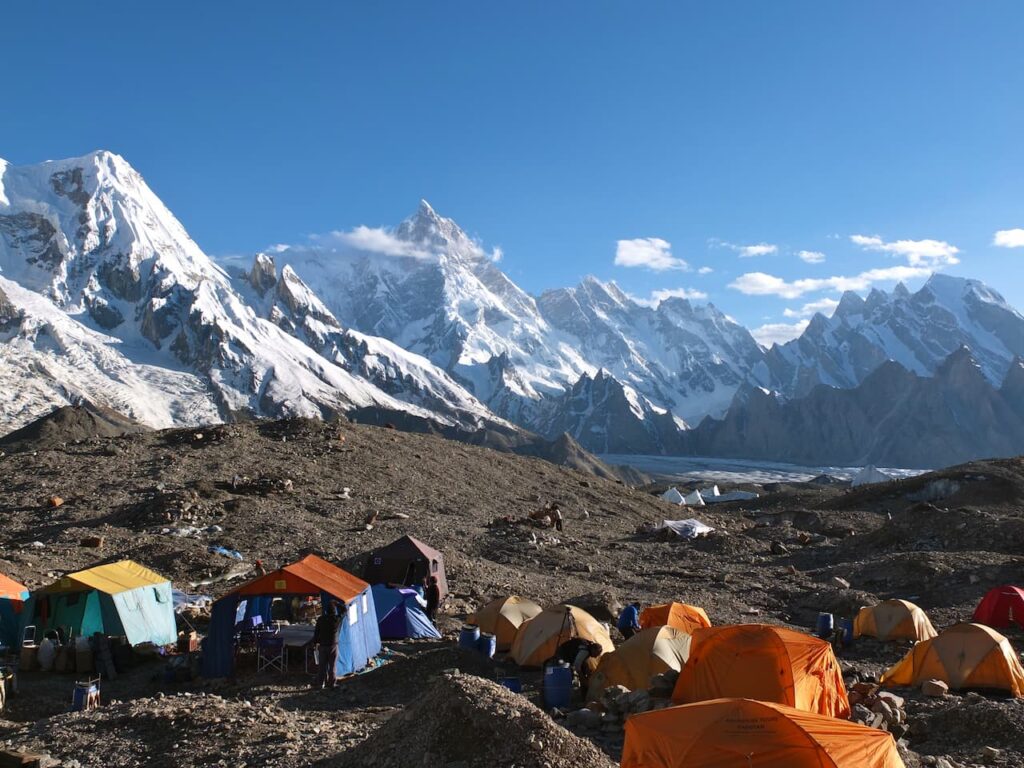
893,620
539,638
742,733
647,653
678,615
503,616
963,656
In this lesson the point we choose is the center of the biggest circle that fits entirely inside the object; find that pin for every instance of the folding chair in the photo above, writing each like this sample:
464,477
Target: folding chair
270,653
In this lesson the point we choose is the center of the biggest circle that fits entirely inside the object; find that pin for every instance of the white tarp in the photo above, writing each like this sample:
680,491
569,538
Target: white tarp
870,474
731,496
183,600
673,496
686,529
693,499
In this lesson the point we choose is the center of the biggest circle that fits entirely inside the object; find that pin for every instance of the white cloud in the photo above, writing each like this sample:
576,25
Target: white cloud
811,257
497,254
746,251
373,240
669,293
651,252
825,306
705,271
778,333
761,284
1009,238
918,253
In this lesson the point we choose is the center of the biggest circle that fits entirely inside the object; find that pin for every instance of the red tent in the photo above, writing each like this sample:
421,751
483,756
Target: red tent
1001,607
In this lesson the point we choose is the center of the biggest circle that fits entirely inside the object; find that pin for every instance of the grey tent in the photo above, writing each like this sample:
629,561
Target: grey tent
405,562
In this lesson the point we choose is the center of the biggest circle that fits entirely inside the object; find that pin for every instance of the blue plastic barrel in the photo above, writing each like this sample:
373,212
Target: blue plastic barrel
80,698
558,686
514,684
487,645
469,637
847,632
825,625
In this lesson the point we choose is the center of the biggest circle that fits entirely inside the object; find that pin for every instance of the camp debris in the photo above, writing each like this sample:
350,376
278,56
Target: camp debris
870,475
764,662
690,528
503,616
737,733
538,639
678,615
963,656
893,620
1001,607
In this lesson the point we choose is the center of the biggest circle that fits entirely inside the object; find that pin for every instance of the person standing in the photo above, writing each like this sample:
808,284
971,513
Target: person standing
433,598
325,635
629,620
556,516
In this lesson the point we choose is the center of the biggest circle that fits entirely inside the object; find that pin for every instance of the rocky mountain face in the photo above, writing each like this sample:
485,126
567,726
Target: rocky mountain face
918,330
894,417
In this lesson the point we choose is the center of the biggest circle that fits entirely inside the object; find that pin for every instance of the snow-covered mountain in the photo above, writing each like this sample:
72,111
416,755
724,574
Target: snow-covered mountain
104,281
104,296
917,330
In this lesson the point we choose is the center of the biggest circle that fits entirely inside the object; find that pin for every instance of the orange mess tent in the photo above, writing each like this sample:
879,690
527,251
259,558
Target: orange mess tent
742,733
759,661
963,656
539,638
893,620
647,653
678,615
1001,607
503,616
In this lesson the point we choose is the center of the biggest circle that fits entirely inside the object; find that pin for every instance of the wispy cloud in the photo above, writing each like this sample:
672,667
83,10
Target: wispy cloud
825,306
372,240
761,284
746,251
705,271
778,333
1009,238
669,293
811,257
918,253
923,257
650,252
497,254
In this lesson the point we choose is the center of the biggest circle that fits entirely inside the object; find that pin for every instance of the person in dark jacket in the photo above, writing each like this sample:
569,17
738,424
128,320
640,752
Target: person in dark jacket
432,595
577,653
325,635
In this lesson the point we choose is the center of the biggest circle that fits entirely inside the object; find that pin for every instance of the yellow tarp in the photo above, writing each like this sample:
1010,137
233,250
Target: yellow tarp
111,579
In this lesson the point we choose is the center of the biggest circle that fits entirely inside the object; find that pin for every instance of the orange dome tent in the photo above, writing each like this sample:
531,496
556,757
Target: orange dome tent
742,733
763,662
893,620
678,615
1001,607
539,638
647,653
503,616
963,656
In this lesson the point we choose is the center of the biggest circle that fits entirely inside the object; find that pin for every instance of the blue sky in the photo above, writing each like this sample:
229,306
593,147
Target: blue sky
556,130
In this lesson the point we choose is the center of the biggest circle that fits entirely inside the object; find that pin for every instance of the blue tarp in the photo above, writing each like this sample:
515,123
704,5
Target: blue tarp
399,614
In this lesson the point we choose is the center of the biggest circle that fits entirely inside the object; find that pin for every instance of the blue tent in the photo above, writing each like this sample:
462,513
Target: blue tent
399,614
358,637
121,598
